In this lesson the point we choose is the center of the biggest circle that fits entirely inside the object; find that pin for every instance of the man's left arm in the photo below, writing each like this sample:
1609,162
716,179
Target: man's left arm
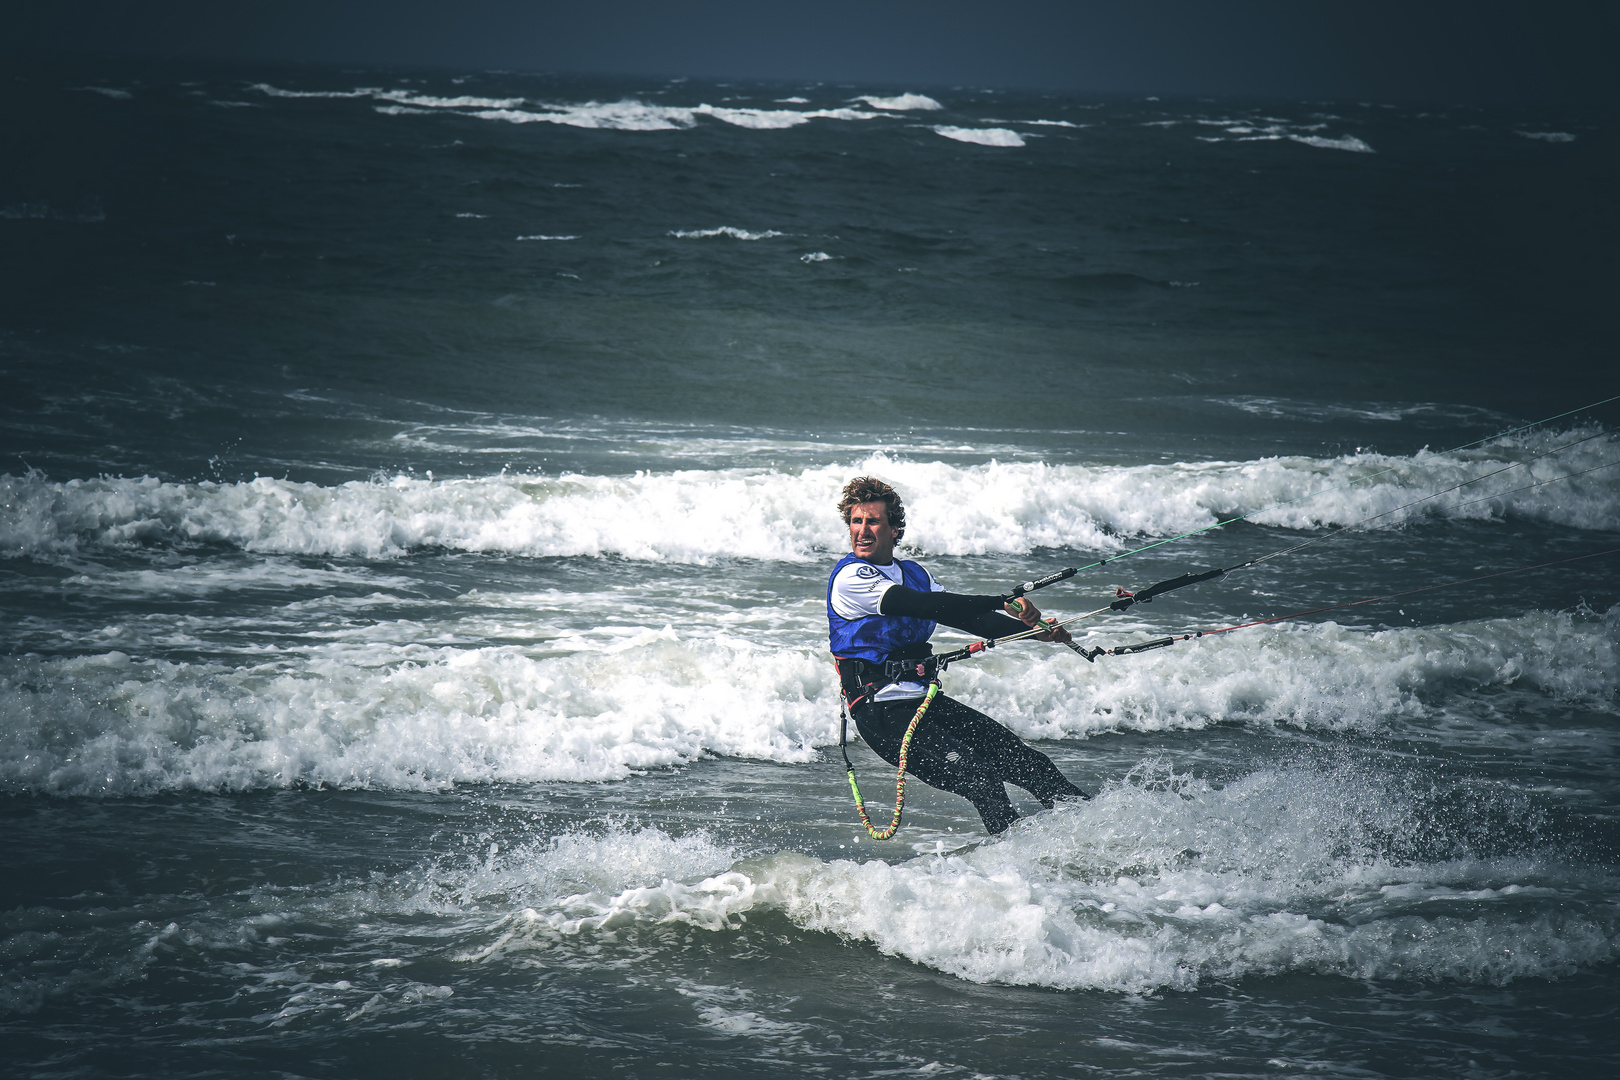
982,616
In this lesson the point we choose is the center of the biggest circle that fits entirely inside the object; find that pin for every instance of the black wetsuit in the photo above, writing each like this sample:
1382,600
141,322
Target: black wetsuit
957,748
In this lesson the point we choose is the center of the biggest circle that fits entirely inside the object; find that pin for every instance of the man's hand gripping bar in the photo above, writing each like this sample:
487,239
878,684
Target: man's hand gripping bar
945,660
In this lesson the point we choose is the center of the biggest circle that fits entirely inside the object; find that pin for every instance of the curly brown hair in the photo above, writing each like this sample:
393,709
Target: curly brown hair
865,489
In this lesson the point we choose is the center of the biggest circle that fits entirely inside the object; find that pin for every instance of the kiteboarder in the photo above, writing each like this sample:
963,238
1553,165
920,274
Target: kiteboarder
881,612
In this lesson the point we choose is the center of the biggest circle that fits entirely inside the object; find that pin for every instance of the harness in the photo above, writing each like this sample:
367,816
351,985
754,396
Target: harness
860,679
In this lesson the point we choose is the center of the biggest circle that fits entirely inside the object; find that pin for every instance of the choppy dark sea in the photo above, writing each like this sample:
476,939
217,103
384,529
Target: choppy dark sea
416,499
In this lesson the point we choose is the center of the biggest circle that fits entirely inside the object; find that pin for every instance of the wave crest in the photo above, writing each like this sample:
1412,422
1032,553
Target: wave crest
414,717
700,515
1161,882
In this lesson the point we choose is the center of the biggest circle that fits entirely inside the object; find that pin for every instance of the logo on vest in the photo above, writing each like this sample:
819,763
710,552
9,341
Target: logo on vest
867,571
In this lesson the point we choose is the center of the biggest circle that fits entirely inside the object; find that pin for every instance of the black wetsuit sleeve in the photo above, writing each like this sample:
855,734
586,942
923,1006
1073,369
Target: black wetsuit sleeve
971,614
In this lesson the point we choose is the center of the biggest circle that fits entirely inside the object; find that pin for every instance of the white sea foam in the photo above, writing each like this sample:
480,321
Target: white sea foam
403,717
1317,412
1548,136
361,712
778,118
213,577
1164,886
274,91
980,136
544,236
902,103
1162,882
759,119
1343,142
426,101
625,115
638,116
1273,129
1315,676
816,256
593,867
613,116
724,230
768,514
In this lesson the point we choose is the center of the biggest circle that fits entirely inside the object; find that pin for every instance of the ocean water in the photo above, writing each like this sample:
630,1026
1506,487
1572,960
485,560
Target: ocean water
416,499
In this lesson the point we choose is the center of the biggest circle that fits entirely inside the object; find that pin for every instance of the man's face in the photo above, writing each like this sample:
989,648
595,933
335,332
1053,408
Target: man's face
871,537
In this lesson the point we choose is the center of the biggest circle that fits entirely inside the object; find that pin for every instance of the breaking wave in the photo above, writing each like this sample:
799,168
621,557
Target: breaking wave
724,230
701,515
1163,882
902,102
981,136
626,115
410,716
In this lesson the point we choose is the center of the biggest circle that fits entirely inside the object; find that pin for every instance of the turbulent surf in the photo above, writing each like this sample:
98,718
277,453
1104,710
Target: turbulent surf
415,653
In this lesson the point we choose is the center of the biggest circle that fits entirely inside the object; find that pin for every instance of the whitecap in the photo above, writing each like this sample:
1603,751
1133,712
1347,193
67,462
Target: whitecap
1163,882
544,236
1166,883
993,507
771,119
816,256
724,230
624,115
375,708
1036,123
1548,136
274,91
403,716
902,102
1344,142
980,136
214,577
426,101
637,116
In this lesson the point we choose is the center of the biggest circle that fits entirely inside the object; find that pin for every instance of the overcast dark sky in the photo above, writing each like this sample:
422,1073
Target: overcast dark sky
1442,50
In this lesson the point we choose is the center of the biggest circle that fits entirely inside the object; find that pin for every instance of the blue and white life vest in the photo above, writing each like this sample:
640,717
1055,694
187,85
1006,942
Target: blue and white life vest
874,638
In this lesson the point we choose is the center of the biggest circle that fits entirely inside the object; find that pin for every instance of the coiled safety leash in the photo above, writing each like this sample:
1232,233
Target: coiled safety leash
900,774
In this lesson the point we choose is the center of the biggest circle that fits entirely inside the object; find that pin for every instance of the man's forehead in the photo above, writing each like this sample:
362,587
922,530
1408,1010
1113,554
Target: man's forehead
874,509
